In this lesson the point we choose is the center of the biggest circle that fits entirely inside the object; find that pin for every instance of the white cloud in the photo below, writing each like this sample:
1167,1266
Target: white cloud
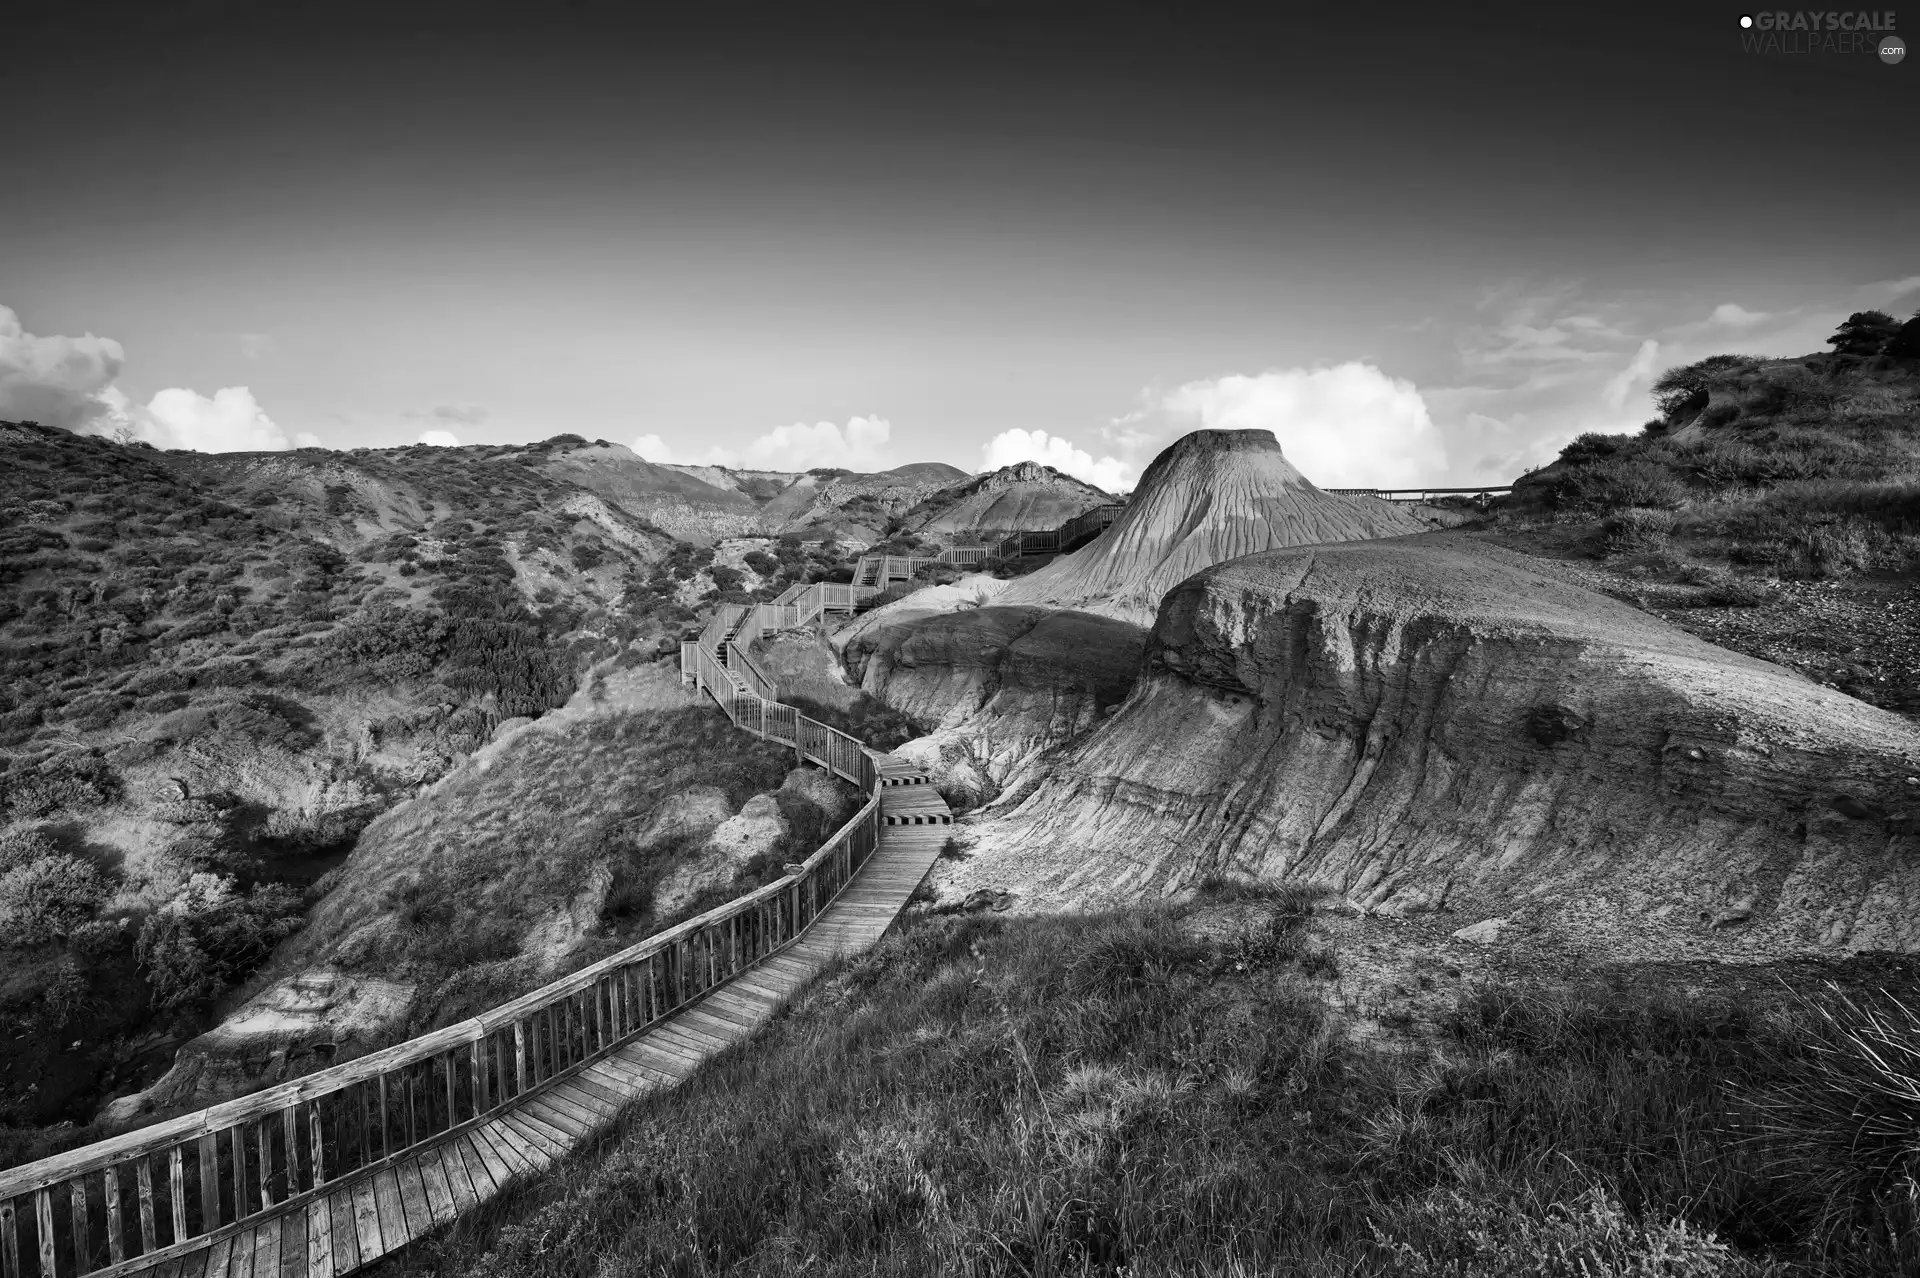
229,421
1013,446
68,382
860,445
256,345
653,448
57,381
1348,426
1639,369
1734,315
440,438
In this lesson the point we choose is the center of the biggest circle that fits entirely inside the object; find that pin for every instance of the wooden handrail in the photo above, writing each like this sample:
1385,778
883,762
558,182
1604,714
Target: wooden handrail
253,1156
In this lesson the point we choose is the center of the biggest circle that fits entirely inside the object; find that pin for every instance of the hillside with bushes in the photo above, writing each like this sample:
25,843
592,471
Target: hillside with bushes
221,668
1773,506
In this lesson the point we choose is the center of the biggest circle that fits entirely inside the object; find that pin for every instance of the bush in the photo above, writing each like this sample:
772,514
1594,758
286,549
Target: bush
62,784
210,936
1737,592
23,846
48,897
1636,529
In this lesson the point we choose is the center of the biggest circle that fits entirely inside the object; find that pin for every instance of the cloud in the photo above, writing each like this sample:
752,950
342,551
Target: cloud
57,381
1639,369
228,421
68,382
1733,315
464,414
1012,446
1887,292
256,345
860,445
440,438
1348,426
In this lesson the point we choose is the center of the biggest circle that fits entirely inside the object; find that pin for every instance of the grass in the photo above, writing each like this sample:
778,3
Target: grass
1810,468
1116,1094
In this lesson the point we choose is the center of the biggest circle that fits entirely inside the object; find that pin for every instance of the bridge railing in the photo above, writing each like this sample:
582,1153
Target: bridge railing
175,1187
1423,494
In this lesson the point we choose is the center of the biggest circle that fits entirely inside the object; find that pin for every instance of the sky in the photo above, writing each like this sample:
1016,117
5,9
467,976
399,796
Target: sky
1424,248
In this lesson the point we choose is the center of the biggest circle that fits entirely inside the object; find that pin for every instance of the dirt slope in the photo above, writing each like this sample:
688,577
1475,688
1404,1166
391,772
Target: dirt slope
1211,496
1434,724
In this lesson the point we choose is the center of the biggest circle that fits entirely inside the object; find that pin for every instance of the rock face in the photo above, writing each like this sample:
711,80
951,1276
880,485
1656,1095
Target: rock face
757,829
1211,496
998,685
1433,724
1024,496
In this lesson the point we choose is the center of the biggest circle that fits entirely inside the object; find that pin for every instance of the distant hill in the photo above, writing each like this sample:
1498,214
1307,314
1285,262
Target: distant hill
1023,497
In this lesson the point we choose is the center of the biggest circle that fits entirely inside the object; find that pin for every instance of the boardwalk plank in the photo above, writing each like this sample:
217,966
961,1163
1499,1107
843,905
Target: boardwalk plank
611,1097
433,1178
542,1122
346,1230
293,1245
497,1170
525,1158
392,1216
319,1240
266,1249
413,1198
365,1218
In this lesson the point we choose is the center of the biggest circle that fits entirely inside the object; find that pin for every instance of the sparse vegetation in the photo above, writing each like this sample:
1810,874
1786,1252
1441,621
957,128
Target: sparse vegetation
1122,1093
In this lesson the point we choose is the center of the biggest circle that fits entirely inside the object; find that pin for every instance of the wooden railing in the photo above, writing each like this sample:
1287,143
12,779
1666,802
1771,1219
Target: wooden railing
1422,494
177,1186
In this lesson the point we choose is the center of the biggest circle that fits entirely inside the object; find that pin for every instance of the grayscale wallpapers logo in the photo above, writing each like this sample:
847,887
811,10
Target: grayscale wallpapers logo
1822,31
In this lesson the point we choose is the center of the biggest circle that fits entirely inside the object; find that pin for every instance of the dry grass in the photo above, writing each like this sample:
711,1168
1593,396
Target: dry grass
1111,1095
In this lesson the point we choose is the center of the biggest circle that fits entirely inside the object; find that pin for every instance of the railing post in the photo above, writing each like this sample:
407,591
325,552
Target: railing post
209,1183
520,1055
116,1228
143,1186
43,1219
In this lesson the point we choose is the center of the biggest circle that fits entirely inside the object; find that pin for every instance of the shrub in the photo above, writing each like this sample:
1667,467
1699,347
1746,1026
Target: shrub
65,783
22,846
396,643
1636,529
1737,592
209,936
48,897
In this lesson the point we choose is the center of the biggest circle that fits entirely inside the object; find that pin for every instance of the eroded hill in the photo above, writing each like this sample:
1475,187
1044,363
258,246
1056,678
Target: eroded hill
1432,724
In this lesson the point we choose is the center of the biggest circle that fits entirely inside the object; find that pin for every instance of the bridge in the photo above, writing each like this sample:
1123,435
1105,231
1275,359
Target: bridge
327,1173
1480,495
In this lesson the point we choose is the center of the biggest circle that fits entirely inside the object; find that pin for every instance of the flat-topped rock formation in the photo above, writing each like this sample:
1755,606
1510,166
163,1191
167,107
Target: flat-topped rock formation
1433,724
1211,496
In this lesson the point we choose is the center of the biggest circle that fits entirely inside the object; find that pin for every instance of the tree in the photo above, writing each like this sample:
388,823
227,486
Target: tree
1682,392
1864,333
1906,342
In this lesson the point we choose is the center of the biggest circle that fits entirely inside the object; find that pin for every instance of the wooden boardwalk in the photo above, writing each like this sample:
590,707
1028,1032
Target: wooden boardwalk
546,1071
362,1220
